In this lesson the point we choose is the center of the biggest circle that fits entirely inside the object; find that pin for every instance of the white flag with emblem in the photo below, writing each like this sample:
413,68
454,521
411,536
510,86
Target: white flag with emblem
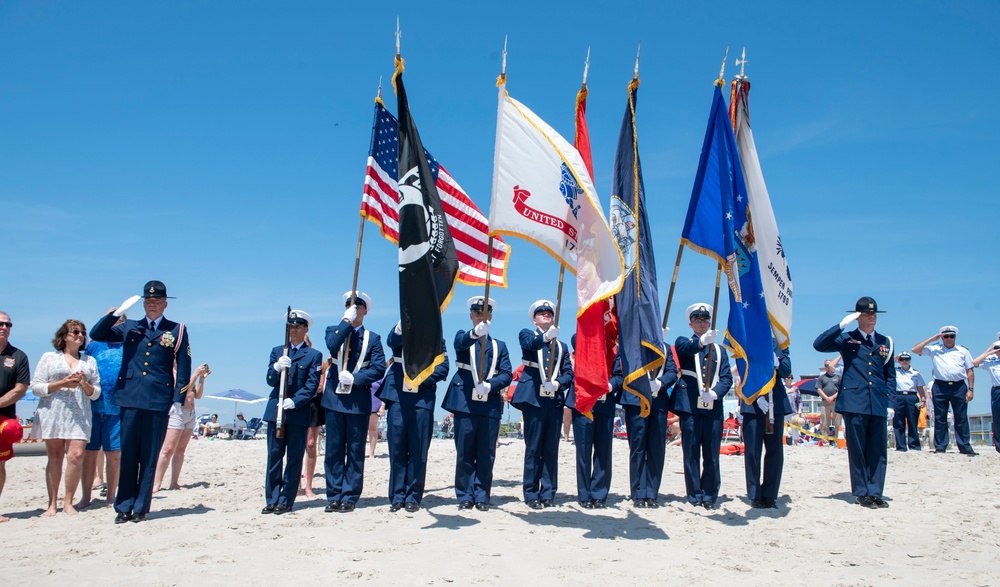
543,193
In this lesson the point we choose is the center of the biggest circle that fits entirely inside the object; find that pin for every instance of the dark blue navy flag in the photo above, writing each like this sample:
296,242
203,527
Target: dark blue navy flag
640,340
719,225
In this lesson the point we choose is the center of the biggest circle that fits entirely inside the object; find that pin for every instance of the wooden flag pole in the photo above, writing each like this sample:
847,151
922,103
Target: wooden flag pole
486,301
707,375
673,284
354,290
555,322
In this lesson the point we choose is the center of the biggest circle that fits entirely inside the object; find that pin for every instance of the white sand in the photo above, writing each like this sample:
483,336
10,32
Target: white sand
943,526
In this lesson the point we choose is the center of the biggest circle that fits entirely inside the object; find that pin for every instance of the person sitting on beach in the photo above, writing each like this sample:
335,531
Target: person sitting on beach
239,427
210,428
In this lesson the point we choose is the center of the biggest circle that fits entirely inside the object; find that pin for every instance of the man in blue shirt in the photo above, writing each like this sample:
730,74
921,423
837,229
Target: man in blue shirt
105,433
952,366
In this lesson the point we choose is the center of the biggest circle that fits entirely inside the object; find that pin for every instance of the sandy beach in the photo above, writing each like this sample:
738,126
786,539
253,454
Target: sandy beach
943,526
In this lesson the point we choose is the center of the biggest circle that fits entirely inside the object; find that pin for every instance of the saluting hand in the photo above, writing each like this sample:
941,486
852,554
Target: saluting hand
848,319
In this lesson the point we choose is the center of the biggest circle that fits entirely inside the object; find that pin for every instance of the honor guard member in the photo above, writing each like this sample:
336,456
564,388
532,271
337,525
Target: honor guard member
761,445
952,366
911,394
155,372
592,439
647,437
990,361
358,362
540,400
476,404
410,425
697,399
302,366
869,378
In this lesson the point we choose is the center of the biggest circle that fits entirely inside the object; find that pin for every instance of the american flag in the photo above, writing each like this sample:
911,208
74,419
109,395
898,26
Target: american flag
468,225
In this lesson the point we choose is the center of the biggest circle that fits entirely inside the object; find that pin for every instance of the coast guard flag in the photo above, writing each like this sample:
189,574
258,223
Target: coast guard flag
640,339
719,225
543,193
428,264
380,204
776,278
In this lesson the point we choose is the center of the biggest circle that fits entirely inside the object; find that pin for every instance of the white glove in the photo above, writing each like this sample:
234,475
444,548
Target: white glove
550,386
481,329
126,305
351,314
611,388
398,329
666,332
551,333
282,363
848,319
777,361
655,385
175,409
711,394
483,387
288,404
709,337
762,404
346,378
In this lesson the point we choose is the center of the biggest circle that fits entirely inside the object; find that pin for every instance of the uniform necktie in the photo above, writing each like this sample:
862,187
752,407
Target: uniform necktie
152,324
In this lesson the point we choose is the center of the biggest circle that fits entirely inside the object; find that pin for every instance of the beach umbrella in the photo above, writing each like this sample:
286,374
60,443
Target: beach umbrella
238,396
806,386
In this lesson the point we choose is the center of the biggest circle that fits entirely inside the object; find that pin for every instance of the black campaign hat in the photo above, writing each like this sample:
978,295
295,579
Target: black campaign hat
866,305
155,289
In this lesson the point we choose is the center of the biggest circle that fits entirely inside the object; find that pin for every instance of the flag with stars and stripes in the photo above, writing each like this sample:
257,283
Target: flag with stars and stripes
719,225
380,204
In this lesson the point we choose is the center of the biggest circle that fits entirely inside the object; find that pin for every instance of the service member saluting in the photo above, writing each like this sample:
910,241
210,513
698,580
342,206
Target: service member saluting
358,361
705,379
151,384
869,379
990,361
473,397
301,366
539,396
952,366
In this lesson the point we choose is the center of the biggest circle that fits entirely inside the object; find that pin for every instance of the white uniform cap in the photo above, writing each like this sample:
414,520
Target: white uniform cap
539,306
998,336
949,330
367,301
700,307
478,301
299,315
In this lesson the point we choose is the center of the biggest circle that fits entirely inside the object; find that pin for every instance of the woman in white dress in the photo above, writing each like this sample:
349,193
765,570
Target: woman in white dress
65,382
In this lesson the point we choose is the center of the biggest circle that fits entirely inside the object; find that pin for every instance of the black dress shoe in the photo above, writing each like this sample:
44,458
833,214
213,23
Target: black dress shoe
652,504
268,509
639,502
547,503
770,503
865,502
879,502
709,505
396,507
758,503
412,506
136,518
940,452
332,506
600,504
122,517
282,508
346,507
587,504
971,453
534,504
466,505
483,506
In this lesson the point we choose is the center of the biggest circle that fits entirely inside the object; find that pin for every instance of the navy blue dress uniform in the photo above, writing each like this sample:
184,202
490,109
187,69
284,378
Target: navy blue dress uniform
868,381
542,410
477,415
701,422
349,405
759,445
410,421
647,437
155,372
284,455
906,404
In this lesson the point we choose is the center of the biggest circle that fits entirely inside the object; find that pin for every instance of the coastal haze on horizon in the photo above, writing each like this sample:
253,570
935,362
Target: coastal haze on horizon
221,149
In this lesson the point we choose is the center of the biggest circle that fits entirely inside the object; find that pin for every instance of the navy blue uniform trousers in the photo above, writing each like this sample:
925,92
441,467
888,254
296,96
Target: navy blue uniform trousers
769,448
995,407
345,455
904,421
410,430
284,463
951,393
542,428
476,450
593,455
647,446
143,432
866,442
701,439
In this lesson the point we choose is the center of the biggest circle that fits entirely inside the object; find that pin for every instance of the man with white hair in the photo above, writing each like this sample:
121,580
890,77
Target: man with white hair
952,367
990,362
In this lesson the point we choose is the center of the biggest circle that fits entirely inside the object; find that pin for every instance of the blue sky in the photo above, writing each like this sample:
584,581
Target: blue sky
220,147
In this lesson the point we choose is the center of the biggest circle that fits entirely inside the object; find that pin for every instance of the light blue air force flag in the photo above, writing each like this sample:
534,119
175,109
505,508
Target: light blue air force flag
720,226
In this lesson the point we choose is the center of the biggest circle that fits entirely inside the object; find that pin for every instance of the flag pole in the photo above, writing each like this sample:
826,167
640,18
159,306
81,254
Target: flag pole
707,375
673,284
555,322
